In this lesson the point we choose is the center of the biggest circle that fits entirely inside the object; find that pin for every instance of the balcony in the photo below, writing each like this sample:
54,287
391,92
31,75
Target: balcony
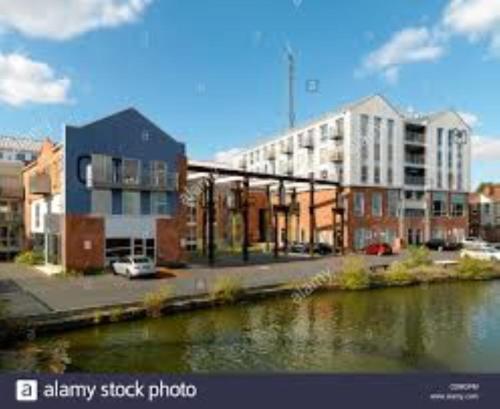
336,136
270,155
287,149
40,184
415,138
162,182
11,191
415,180
336,156
307,142
416,160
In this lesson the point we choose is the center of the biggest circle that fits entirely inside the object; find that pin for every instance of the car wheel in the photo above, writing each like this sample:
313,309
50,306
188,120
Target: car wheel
128,274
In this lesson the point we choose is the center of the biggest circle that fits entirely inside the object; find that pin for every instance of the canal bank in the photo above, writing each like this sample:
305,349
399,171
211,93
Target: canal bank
443,328
157,297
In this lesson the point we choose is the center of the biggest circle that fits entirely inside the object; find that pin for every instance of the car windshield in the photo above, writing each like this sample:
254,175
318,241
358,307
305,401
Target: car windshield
140,260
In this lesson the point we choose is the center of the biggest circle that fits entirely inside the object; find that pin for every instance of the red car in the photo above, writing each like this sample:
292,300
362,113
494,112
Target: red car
378,249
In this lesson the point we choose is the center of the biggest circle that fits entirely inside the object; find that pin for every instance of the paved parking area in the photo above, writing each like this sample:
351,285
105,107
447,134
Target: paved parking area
39,293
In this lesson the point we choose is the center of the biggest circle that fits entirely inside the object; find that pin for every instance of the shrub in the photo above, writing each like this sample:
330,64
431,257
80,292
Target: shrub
226,289
30,258
154,302
471,268
3,309
354,275
116,314
418,257
399,274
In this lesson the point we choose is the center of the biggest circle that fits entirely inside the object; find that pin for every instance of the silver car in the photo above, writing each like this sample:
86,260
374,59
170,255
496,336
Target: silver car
134,266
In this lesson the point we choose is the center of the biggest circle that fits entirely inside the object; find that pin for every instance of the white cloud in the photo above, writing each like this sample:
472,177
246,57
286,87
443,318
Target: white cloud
471,119
474,19
64,19
411,45
226,156
485,148
23,81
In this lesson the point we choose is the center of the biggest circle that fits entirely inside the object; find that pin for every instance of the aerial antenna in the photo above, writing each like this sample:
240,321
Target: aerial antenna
291,82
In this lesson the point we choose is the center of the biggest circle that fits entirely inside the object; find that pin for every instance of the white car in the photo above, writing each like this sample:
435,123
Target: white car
473,242
134,266
484,253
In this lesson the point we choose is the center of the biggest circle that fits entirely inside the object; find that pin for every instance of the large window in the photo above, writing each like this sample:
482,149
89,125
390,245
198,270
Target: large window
359,204
131,202
323,132
159,203
101,202
364,125
458,205
131,171
102,168
393,205
377,204
439,204
159,173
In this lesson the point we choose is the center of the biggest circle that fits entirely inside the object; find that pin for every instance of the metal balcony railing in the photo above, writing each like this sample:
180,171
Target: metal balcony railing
415,159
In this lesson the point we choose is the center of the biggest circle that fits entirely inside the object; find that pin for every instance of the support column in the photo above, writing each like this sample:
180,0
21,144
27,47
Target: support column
269,219
211,221
312,221
246,205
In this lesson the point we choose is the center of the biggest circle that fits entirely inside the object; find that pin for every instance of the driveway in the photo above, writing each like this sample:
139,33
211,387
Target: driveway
31,292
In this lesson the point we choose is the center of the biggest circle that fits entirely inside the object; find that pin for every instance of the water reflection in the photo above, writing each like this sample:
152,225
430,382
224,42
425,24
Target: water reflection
449,327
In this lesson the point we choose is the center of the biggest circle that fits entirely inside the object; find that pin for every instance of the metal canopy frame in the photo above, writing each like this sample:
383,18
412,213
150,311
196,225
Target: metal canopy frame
210,173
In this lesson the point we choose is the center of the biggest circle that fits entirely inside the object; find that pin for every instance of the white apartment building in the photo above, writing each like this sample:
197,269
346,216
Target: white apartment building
409,174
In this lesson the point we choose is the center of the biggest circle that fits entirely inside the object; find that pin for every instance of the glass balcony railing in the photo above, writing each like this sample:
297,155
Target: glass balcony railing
415,180
415,137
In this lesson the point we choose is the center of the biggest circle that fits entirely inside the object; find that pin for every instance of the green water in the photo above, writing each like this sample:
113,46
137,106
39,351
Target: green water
438,328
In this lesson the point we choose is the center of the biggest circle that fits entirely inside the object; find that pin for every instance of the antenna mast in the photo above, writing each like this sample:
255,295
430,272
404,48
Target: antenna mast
291,83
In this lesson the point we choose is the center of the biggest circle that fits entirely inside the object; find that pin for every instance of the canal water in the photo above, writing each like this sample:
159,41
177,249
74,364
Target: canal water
436,328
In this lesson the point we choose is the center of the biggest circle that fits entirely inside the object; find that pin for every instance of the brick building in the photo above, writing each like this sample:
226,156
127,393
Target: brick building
110,189
404,176
485,213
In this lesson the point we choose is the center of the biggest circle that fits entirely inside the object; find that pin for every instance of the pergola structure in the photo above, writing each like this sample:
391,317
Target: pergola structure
212,174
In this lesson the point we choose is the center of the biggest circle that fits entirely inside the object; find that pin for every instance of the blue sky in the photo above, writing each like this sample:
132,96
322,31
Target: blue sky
212,72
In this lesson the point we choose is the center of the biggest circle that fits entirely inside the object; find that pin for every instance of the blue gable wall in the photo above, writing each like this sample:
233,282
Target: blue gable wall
118,135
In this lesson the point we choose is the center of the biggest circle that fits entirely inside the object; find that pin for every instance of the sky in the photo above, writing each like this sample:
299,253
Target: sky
212,73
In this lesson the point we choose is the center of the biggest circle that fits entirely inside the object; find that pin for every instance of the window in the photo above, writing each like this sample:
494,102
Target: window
323,132
458,205
101,202
159,173
131,171
21,156
377,204
359,204
390,176
393,198
390,131
364,174
131,203
364,125
376,175
159,203
440,137
101,168
359,239
439,205
37,216
340,126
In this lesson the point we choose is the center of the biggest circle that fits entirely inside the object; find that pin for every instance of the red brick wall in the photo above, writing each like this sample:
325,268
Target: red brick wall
79,231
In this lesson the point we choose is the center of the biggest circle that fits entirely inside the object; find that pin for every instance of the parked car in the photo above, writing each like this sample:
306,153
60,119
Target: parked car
474,242
443,245
319,248
378,249
484,253
300,248
134,266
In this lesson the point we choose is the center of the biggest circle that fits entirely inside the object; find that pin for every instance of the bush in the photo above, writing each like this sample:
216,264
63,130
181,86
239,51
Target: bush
471,268
3,309
154,302
30,258
354,275
399,274
418,257
226,289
